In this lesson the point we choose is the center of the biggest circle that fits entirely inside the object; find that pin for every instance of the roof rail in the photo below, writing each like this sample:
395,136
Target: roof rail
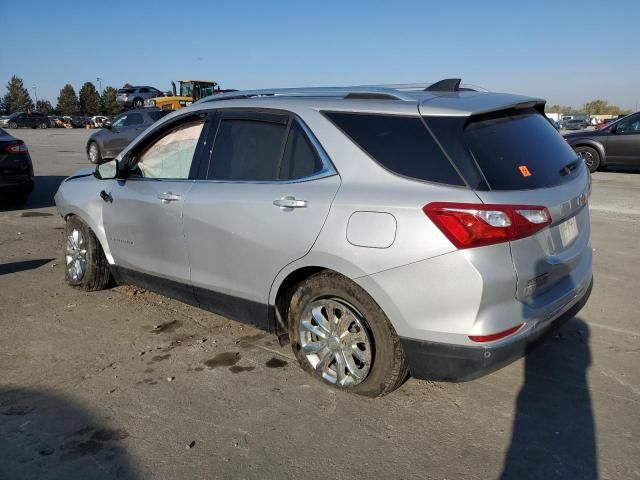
370,92
357,92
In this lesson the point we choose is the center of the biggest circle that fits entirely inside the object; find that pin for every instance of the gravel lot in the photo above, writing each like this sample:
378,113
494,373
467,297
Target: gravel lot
90,388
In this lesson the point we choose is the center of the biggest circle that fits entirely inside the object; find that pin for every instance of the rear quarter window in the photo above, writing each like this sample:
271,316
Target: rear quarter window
519,152
400,144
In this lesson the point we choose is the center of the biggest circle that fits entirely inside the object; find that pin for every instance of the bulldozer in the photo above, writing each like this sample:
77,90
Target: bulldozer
190,91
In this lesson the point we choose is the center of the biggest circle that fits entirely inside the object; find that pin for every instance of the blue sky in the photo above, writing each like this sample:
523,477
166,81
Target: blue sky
568,52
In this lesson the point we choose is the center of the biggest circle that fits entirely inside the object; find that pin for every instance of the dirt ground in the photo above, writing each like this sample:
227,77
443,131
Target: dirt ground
128,384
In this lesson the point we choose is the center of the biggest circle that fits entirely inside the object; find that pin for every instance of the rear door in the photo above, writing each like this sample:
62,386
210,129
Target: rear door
623,142
522,160
260,205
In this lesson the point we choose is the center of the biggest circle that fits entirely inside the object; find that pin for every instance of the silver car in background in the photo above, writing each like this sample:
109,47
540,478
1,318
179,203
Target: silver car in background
382,231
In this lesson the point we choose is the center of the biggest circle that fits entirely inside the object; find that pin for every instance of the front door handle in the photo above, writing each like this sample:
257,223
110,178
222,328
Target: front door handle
290,202
167,197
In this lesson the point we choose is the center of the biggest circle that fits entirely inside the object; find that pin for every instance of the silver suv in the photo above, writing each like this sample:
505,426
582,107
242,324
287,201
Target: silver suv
381,230
134,97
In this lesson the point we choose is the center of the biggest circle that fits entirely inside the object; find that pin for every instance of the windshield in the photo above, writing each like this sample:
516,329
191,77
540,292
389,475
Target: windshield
186,89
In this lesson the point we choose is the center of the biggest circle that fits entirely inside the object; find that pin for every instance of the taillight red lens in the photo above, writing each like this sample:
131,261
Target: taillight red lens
469,225
16,148
495,336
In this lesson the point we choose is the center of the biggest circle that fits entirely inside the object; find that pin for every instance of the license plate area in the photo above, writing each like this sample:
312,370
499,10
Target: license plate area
568,231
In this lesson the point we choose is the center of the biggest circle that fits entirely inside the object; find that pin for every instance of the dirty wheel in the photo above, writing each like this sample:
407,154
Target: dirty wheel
590,156
86,267
341,336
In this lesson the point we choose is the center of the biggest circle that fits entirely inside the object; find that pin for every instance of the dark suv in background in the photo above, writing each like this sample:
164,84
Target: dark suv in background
134,97
616,144
24,119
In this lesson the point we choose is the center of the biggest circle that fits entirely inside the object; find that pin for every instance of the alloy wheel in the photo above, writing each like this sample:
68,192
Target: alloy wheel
76,255
93,153
587,157
335,341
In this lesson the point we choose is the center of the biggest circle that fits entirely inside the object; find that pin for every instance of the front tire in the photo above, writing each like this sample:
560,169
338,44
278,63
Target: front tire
94,154
590,156
13,125
86,266
341,336
44,125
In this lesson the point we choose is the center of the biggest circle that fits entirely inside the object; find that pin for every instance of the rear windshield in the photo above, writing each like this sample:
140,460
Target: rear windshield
126,90
158,114
401,144
509,150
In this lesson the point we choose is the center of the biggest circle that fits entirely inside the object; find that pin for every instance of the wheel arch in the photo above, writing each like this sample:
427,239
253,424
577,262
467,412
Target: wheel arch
297,272
98,232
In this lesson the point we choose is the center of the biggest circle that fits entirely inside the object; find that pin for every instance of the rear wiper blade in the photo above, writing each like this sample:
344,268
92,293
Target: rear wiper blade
569,167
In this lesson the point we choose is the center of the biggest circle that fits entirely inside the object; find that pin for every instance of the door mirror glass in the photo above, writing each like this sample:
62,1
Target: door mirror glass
106,124
106,171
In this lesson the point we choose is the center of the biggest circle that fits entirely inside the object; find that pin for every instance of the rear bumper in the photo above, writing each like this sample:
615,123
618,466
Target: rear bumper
457,363
16,182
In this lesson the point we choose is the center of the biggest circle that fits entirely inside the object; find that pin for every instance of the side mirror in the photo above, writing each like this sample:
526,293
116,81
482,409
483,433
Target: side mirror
106,171
106,124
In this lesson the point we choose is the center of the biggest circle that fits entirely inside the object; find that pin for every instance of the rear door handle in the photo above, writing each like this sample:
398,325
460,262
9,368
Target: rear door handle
167,197
290,202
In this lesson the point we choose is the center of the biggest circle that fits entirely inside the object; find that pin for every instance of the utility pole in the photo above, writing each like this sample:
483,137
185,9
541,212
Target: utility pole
35,92
99,80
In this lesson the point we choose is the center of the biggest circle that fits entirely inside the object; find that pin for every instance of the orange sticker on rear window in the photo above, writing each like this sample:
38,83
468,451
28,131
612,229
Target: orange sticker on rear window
524,171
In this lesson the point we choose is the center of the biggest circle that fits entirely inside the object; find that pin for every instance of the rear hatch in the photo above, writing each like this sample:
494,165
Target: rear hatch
513,157
14,156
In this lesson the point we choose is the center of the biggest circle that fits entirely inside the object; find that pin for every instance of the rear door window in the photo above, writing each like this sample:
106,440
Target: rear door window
300,157
400,144
158,114
133,119
519,152
247,150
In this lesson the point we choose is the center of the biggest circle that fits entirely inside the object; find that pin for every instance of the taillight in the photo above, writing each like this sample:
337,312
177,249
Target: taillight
495,336
16,148
469,225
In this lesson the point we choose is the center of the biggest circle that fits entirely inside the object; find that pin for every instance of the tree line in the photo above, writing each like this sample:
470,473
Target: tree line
88,102
594,107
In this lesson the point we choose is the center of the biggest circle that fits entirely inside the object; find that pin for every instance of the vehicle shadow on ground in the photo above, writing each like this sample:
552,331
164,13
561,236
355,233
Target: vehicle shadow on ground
44,435
553,433
14,267
621,169
41,197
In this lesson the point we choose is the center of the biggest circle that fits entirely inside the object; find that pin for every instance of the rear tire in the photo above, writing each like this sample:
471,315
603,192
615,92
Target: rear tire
590,156
44,125
94,154
86,266
335,326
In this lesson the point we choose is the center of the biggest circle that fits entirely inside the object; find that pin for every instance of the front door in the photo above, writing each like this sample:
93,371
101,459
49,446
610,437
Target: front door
623,142
143,222
260,206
